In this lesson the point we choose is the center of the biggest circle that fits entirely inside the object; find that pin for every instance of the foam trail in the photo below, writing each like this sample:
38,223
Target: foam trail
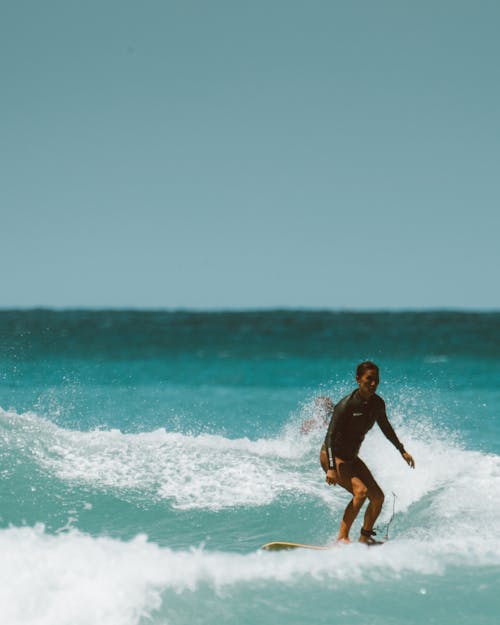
75,578
163,465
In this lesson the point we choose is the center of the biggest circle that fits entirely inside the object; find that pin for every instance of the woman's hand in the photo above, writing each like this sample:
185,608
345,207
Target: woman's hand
408,459
331,477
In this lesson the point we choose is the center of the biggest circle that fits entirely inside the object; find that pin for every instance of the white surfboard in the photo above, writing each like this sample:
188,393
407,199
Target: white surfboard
282,546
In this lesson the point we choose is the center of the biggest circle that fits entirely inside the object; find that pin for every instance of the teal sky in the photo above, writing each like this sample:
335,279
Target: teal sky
230,154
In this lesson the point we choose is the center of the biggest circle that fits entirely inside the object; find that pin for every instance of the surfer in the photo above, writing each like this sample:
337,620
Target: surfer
352,418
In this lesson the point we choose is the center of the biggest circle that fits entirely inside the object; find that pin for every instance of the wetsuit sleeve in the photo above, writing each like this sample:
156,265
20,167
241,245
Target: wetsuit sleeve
338,417
387,428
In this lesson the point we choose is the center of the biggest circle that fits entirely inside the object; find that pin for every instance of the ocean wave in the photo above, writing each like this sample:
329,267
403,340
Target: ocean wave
192,471
211,472
79,579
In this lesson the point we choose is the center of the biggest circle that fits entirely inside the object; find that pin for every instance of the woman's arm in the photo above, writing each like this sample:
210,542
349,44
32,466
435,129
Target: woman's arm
391,435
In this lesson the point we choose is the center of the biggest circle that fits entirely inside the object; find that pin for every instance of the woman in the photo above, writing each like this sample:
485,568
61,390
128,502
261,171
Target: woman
353,416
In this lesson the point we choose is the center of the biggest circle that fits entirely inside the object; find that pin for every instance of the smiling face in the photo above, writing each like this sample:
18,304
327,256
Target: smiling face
368,382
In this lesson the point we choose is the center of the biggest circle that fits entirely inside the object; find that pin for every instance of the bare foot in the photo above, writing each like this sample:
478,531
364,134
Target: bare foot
343,539
368,540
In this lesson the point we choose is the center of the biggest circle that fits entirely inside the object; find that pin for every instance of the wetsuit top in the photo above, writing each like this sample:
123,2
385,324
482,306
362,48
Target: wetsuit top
352,417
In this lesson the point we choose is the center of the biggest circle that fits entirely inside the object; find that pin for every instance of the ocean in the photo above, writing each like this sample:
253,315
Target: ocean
146,456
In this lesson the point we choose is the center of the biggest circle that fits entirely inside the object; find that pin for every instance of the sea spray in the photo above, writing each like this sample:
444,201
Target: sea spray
146,457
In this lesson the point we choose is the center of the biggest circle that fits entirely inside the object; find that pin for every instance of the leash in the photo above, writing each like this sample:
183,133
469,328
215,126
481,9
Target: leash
394,497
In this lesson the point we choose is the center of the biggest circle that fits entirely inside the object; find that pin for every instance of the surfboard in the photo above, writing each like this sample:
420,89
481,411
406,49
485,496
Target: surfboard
281,546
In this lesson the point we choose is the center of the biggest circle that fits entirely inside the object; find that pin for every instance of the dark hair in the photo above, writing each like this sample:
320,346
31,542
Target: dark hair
367,365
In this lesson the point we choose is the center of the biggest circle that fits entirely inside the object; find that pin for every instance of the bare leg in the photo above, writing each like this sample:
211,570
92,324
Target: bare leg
350,514
349,481
372,512
375,495
356,478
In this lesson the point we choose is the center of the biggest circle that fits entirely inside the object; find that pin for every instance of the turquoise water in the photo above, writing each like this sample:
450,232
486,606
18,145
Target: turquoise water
146,456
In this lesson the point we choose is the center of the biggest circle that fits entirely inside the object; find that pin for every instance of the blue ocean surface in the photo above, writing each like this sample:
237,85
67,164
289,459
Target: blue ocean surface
145,457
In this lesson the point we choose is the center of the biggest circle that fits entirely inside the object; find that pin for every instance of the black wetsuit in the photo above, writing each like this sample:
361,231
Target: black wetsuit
352,417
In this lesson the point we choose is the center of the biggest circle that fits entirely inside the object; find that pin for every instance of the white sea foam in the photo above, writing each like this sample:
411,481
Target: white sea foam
448,509
193,471
212,472
76,579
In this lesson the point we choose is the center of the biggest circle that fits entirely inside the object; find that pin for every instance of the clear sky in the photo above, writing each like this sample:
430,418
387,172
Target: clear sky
247,154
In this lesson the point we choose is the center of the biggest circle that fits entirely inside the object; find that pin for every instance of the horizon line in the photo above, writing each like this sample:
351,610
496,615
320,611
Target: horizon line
256,309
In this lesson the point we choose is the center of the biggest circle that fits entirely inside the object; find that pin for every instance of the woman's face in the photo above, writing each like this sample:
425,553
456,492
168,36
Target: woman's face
368,383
